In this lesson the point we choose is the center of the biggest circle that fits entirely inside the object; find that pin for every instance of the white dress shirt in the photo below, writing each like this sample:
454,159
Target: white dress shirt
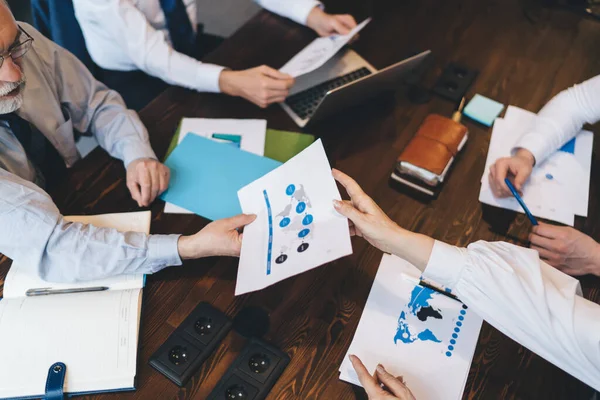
60,95
127,35
527,300
562,118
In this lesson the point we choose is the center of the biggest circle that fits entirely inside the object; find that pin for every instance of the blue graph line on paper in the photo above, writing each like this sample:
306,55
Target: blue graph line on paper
270,246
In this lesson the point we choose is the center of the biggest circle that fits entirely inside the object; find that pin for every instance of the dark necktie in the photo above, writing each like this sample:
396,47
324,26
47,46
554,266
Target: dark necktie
39,150
179,25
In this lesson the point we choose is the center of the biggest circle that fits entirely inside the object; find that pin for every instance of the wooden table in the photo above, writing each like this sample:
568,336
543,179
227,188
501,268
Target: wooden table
314,315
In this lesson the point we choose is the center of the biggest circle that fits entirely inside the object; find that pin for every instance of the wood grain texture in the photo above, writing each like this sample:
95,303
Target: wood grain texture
314,315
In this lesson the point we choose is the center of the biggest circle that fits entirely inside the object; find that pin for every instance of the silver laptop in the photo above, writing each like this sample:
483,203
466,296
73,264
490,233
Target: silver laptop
345,80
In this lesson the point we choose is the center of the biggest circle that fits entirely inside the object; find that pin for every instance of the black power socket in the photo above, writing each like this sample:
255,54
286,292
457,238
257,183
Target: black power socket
191,343
252,374
454,82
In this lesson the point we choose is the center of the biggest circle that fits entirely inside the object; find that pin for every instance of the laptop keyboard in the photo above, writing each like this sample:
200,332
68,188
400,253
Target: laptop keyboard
305,103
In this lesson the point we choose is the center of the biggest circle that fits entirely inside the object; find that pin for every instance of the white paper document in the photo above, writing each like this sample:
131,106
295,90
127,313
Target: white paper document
23,276
296,228
558,189
415,332
318,52
252,131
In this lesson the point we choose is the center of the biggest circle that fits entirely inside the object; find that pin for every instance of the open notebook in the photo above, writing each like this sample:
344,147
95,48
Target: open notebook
94,333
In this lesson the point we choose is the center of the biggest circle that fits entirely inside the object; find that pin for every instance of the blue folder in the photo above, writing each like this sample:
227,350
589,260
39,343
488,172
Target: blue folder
206,175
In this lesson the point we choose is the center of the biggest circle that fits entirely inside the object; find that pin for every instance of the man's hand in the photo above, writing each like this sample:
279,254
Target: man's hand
219,238
261,85
520,166
393,387
326,24
146,179
566,249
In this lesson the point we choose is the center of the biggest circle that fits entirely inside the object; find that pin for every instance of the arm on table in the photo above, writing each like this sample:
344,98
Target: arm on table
508,286
33,231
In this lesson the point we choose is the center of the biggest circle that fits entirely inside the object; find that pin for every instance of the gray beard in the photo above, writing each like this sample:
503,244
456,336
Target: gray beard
8,105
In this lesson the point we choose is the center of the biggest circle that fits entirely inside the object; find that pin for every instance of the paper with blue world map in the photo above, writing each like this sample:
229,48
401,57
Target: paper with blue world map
415,332
296,228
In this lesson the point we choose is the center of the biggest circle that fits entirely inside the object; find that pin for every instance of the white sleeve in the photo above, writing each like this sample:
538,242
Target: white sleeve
527,300
296,10
562,118
148,48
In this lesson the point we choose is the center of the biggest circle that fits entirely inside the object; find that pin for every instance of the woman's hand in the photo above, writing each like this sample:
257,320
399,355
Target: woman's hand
367,219
381,385
370,222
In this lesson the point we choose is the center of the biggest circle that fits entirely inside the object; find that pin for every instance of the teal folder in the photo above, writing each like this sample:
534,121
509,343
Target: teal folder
206,175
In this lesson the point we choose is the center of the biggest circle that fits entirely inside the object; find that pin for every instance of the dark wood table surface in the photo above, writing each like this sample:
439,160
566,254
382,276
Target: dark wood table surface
522,61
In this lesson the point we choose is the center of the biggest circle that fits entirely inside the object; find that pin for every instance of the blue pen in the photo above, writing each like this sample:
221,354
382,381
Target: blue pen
521,202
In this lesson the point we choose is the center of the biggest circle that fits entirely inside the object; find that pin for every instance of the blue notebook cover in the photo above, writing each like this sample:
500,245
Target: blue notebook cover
206,175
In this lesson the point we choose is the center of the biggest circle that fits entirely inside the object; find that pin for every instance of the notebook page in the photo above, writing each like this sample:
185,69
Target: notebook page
94,334
22,277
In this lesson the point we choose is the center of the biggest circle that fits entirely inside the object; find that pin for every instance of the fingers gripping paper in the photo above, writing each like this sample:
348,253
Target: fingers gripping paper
318,52
296,228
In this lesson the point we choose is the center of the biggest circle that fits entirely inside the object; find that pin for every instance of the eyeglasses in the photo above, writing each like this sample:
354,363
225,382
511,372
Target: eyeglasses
18,50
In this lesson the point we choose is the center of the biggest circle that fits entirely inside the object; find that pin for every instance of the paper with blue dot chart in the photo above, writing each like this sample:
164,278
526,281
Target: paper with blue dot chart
297,228
559,187
427,338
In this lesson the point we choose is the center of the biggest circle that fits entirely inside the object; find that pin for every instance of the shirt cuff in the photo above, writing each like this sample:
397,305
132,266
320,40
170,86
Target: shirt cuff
445,265
533,143
299,10
207,78
162,252
134,151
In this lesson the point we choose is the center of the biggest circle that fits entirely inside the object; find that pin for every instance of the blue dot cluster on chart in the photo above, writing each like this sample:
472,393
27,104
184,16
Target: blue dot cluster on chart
300,209
457,327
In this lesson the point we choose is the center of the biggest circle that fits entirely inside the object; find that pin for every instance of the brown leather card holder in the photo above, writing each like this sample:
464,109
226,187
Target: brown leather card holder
437,140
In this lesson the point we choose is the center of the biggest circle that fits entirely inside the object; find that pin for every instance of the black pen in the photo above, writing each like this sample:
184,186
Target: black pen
424,284
47,291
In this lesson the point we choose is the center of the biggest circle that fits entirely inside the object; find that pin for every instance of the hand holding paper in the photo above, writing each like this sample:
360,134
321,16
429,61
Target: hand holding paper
327,24
318,52
219,238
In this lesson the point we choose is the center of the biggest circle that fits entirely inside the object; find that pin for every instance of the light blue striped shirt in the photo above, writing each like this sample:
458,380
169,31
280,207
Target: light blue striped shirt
32,230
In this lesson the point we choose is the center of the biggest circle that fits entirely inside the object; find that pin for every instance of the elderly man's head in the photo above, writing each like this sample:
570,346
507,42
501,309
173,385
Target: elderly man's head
12,79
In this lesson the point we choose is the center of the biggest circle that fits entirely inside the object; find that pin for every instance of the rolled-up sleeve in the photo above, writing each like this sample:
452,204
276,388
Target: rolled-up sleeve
526,299
33,231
